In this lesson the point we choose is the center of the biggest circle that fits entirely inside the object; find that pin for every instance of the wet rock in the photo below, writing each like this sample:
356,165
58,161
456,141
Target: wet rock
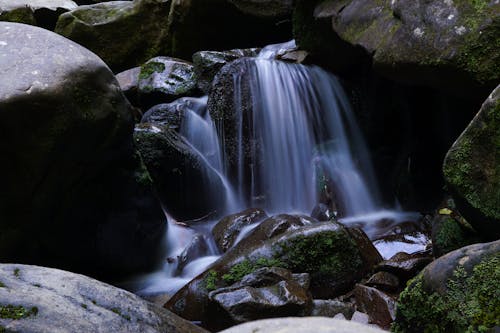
226,231
124,34
208,63
129,81
181,177
369,253
322,212
324,250
415,242
72,164
331,308
384,281
472,172
172,114
380,307
455,293
42,13
198,247
405,265
50,300
295,56
164,79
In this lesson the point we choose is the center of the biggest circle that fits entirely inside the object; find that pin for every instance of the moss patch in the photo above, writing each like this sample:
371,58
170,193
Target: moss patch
238,271
2,285
471,304
150,68
16,312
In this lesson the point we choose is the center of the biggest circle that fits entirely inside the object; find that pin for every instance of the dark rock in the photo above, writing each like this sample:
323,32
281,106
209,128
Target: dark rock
67,131
226,231
129,81
472,170
265,8
380,307
457,292
124,34
414,242
198,247
92,2
208,63
164,79
331,308
181,177
42,13
50,300
265,276
368,252
384,281
172,114
404,265
322,212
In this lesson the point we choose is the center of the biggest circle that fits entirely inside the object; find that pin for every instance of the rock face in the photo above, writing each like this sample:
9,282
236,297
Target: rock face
74,194
326,251
39,299
472,169
123,33
451,45
458,292
43,13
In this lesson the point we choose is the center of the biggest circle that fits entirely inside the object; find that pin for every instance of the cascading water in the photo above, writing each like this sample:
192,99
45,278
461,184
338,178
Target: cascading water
303,137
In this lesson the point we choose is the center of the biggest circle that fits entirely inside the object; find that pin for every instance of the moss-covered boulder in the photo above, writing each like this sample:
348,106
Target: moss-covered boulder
123,33
450,45
327,251
472,169
456,293
46,300
73,194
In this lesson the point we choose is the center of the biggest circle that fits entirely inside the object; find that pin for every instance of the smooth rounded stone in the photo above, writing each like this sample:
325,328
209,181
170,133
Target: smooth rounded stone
164,79
172,114
124,34
198,247
265,8
379,306
448,45
472,170
302,325
457,292
226,231
43,13
67,131
331,308
404,265
129,81
49,300
208,63
181,177
384,281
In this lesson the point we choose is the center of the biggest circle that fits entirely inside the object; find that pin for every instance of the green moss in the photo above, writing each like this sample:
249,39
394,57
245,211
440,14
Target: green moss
83,305
2,285
16,312
151,67
19,15
471,303
142,175
17,272
449,236
238,271
3,329
211,280
119,312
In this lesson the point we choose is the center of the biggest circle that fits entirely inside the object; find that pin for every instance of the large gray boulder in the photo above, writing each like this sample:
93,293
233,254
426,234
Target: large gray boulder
46,300
74,194
472,169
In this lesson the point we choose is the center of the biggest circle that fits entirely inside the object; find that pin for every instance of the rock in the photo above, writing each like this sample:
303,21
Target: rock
43,13
208,63
404,265
39,299
324,250
265,8
91,2
384,281
182,179
129,81
331,308
67,130
198,247
164,79
380,307
450,45
123,33
172,114
302,325
472,171
457,292
226,231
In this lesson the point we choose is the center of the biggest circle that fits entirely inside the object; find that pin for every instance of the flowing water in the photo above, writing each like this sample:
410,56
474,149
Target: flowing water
305,142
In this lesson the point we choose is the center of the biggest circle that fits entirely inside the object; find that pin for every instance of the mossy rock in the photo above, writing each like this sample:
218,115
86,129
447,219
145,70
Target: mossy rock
472,169
456,293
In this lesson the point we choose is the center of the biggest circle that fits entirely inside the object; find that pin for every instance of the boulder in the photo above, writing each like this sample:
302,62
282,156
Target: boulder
380,307
404,265
185,183
46,300
384,281
457,292
331,308
124,34
208,63
74,193
172,114
164,79
449,45
302,325
472,170
324,250
43,13
129,81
